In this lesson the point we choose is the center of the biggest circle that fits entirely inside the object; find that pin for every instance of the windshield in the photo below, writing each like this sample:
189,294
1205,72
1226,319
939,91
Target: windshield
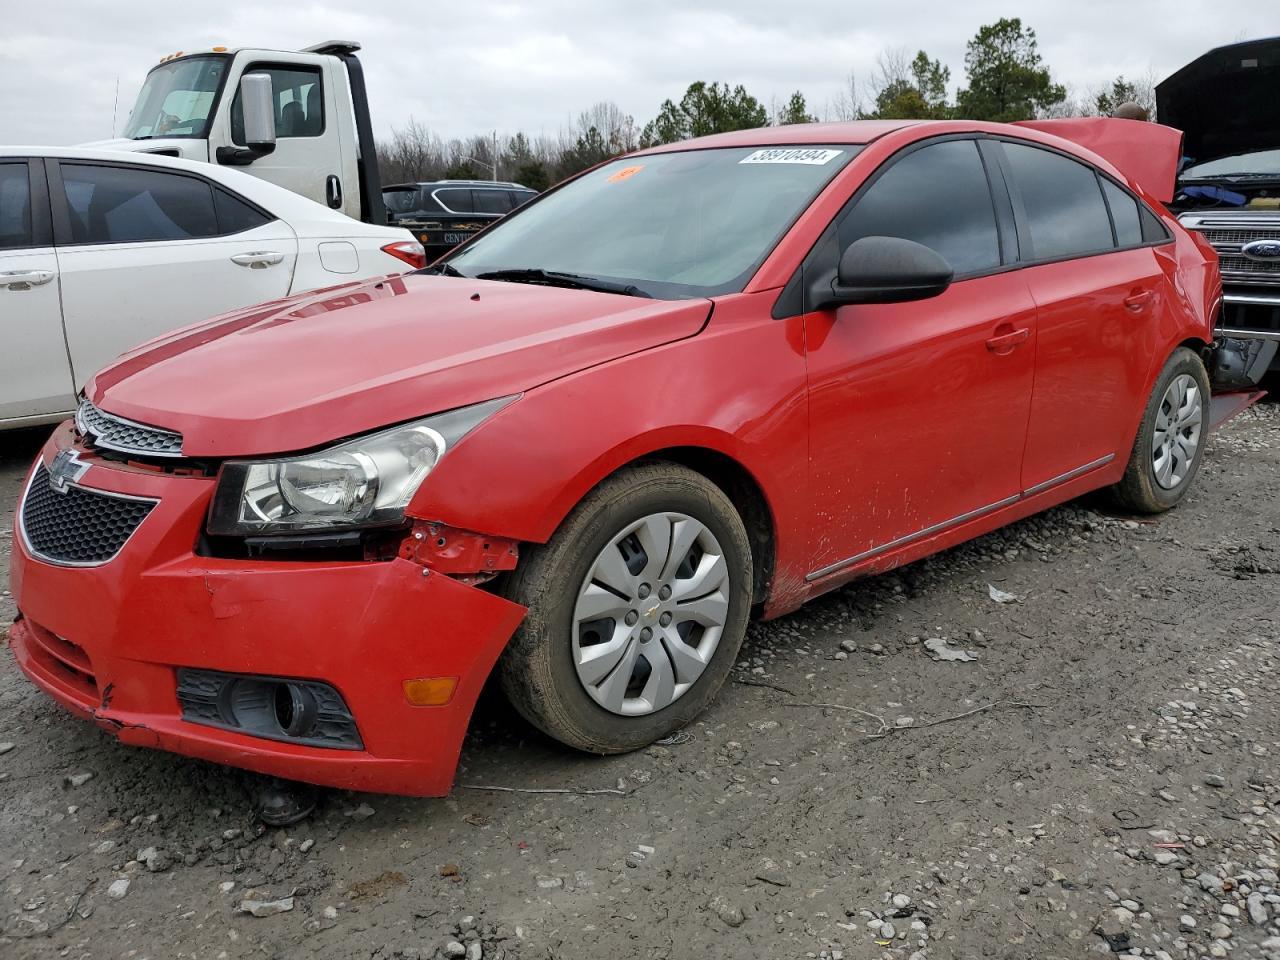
1264,163
694,223
177,99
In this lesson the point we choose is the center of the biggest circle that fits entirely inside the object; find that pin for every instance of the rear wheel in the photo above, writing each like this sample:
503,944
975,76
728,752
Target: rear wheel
637,609
1170,444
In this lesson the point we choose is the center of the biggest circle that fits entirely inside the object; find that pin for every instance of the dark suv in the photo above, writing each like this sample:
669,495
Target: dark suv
445,213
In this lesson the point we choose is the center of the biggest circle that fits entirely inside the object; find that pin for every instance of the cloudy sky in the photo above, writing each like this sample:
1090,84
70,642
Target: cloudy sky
485,65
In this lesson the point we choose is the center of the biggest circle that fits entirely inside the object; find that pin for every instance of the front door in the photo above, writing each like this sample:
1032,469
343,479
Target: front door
918,411
35,377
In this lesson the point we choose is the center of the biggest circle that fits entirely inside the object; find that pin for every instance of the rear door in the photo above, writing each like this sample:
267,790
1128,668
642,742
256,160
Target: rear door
35,376
143,251
918,411
1099,290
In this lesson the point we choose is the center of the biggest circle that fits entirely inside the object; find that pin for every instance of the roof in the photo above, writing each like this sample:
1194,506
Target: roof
852,132
495,184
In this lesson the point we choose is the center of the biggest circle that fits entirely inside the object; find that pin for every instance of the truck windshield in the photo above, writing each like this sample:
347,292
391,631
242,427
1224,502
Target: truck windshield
693,223
177,98
1260,163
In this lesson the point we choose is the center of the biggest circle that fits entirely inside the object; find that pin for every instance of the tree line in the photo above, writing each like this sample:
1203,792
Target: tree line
1005,80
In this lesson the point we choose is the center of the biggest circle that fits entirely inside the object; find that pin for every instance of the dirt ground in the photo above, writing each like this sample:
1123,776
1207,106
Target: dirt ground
1103,777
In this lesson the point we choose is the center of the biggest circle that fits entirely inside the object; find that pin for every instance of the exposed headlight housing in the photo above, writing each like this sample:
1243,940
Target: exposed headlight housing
366,482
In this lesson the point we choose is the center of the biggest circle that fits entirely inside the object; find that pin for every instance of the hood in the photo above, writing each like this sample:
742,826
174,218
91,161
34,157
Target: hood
1227,102
300,373
186,147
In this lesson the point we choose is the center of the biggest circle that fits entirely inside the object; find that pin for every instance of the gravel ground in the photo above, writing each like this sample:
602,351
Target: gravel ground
908,768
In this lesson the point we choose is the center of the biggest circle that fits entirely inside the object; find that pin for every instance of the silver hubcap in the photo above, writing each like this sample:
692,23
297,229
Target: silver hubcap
650,614
1177,434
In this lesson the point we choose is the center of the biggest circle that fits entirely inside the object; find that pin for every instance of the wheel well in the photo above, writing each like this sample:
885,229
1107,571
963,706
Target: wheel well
747,498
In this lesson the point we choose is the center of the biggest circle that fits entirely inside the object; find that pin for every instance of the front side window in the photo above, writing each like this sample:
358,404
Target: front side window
455,200
937,196
177,98
492,201
15,206
690,223
299,103
1065,212
127,205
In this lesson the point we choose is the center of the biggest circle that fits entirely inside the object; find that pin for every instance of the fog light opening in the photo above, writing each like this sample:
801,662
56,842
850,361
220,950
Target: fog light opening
295,709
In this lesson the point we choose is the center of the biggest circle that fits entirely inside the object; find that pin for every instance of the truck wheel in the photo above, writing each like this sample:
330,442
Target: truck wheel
1171,441
637,608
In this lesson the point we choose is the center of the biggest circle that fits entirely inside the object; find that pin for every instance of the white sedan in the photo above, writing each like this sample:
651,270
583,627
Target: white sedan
101,251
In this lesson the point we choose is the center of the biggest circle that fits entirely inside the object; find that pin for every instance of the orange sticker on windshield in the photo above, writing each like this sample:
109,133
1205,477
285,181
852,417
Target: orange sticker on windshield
624,173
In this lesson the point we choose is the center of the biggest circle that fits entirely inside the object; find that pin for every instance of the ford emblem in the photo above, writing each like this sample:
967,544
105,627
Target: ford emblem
1262,250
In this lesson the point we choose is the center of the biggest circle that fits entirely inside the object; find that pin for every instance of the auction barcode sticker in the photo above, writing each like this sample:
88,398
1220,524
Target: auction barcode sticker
792,155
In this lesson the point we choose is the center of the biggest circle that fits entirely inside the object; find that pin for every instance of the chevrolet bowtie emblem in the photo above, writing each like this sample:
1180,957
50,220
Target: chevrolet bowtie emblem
66,468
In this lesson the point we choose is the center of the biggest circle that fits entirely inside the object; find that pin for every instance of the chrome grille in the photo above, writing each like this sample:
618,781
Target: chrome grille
77,526
1228,238
110,432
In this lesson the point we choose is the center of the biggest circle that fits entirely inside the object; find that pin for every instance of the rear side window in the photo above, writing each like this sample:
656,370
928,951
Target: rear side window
15,206
455,200
1124,214
520,197
1065,211
123,205
492,201
938,196
235,215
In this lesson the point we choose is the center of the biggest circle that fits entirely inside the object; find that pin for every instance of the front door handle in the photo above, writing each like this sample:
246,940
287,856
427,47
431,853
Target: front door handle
1137,302
25,279
258,260
1004,343
333,191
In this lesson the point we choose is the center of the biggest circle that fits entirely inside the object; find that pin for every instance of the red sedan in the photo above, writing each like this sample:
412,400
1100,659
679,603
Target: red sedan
715,378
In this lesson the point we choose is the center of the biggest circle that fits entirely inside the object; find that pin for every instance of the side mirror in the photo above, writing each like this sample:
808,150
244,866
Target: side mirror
886,270
258,102
257,105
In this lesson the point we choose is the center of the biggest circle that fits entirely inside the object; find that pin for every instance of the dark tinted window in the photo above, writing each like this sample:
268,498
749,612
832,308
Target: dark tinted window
1067,216
458,201
521,197
118,205
1153,231
15,206
937,196
234,215
1124,214
299,103
491,201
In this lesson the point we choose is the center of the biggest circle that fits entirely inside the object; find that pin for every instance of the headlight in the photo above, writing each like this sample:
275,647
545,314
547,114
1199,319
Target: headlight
366,482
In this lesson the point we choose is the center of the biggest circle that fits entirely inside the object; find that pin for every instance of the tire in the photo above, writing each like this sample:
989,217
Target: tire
1152,484
548,671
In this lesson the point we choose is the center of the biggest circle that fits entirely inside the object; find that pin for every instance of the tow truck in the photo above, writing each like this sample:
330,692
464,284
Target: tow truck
299,119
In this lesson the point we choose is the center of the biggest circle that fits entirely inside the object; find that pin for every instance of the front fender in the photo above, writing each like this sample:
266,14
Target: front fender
737,388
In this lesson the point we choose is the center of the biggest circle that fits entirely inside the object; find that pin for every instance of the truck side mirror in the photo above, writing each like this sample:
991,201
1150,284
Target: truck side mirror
257,105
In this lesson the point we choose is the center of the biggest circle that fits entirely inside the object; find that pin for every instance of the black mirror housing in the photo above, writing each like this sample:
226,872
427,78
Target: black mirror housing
886,270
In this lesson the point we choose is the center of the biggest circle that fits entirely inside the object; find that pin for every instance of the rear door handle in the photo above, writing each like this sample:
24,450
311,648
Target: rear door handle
1137,302
1006,342
258,259
25,279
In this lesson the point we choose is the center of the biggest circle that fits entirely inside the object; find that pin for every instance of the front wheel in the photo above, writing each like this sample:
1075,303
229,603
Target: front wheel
637,609
1171,441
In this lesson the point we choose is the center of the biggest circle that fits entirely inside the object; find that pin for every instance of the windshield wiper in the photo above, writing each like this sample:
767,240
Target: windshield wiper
445,270
557,279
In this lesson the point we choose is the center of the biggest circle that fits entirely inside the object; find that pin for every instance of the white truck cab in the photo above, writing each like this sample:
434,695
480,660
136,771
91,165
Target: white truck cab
298,119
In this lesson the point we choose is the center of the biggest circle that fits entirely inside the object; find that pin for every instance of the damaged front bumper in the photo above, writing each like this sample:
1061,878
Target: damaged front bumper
113,642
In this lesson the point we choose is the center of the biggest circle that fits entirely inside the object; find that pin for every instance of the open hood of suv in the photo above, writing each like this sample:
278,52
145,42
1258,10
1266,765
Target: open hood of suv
1226,102
297,374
